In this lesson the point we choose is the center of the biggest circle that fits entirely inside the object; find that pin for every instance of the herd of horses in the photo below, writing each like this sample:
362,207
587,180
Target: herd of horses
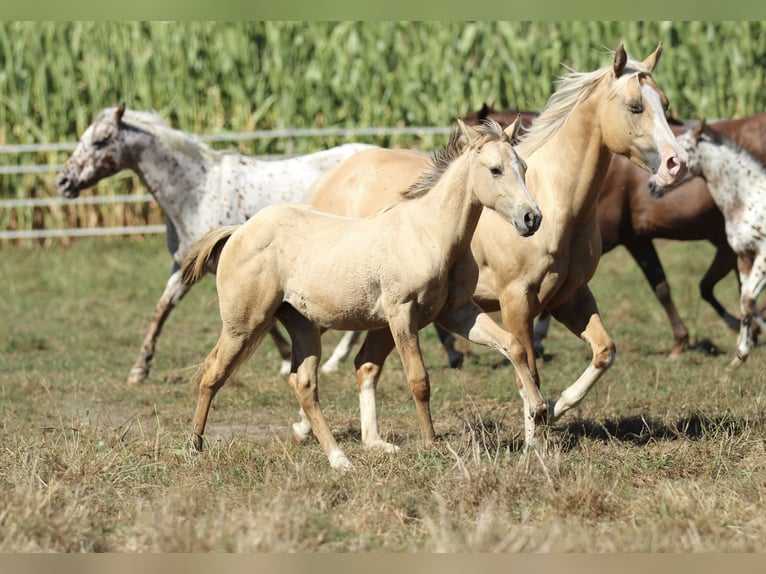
512,215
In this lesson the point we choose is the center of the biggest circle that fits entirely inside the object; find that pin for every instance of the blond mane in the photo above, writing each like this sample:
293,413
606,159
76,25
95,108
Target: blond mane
571,89
441,159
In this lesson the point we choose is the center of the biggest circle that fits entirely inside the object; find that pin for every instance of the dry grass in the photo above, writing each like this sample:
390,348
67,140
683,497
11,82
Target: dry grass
661,457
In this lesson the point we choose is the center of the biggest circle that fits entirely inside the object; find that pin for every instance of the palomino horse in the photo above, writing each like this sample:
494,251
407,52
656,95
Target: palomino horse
737,182
618,108
628,216
394,273
197,188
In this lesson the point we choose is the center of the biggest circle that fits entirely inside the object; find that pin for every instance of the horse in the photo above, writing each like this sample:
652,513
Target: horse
393,273
367,205
737,182
198,189
630,217
615,109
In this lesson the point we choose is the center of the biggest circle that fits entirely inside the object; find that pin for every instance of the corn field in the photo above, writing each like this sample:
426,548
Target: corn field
208,77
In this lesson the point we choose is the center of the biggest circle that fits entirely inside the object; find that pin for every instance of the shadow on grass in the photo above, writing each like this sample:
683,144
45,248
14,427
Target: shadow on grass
640,430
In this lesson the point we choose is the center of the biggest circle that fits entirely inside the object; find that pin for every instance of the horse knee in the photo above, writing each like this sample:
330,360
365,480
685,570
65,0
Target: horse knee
304,385
420,388
604,357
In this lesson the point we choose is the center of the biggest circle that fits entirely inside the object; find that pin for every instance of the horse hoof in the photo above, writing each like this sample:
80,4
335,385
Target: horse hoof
299,434
456,360
137,375
382,446
329,367
195,444
736,362
339,461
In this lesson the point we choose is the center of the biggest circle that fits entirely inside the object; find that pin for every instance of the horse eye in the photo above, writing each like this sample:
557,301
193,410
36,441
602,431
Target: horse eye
636,108
496,170
101,142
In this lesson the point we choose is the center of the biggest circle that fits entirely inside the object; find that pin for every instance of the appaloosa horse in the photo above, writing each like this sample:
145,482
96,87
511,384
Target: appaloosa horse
737,182
394,273
198,189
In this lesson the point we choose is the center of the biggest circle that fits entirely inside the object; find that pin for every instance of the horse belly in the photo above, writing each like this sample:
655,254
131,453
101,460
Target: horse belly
335,302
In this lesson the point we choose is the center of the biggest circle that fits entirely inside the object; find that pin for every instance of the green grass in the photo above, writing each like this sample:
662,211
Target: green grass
661,456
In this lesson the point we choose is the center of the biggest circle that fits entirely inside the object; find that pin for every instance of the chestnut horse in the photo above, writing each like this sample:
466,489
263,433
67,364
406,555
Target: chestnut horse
618,108
393,273
628,216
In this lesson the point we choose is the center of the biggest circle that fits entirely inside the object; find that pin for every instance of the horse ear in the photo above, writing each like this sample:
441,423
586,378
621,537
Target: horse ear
654,58
468,132
485,110
120,111
513,129
699,128
620,59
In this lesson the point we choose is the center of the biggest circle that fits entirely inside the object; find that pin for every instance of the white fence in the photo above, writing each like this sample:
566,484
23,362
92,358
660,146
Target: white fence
290,134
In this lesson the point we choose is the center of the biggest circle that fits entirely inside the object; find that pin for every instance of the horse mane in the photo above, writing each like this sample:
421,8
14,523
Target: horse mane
184,142
571,89
441,159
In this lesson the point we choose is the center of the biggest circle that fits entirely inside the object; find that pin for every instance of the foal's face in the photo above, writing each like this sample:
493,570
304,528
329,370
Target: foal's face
500,184
98,155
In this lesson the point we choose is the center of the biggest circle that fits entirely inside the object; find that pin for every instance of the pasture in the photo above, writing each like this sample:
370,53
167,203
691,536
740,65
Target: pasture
661,456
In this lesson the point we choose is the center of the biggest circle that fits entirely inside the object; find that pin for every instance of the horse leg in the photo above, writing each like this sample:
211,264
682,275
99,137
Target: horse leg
405,335
341,352
284,347
752,272
307,352
174,291
646,256
580,315
231,350
724,261
369,362
447,339
471,322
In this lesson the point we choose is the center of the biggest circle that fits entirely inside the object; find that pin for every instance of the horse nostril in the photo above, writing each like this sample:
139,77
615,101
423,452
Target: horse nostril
532,220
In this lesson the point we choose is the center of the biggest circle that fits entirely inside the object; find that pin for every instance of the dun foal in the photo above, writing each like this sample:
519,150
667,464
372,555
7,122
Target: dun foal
393,274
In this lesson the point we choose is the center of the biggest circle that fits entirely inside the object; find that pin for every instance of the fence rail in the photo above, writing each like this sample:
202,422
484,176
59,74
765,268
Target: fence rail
291,134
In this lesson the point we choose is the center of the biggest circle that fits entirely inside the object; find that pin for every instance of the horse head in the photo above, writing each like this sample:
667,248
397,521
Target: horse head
98,154
634,119
499,180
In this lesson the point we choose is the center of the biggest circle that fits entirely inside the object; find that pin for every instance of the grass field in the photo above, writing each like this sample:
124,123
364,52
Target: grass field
661,456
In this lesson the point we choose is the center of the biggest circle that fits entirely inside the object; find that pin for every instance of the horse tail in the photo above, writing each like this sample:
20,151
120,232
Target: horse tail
203,256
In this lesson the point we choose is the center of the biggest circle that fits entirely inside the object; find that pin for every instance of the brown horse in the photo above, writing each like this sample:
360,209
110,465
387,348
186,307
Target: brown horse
615,109
629,216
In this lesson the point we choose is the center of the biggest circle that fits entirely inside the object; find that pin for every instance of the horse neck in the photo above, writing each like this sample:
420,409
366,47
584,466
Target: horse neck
173,177
449,212
566,172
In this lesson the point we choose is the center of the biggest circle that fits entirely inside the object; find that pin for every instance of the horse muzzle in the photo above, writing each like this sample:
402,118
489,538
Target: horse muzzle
67,186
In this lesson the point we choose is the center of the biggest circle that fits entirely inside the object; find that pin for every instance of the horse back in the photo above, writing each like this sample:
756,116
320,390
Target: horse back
369,181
